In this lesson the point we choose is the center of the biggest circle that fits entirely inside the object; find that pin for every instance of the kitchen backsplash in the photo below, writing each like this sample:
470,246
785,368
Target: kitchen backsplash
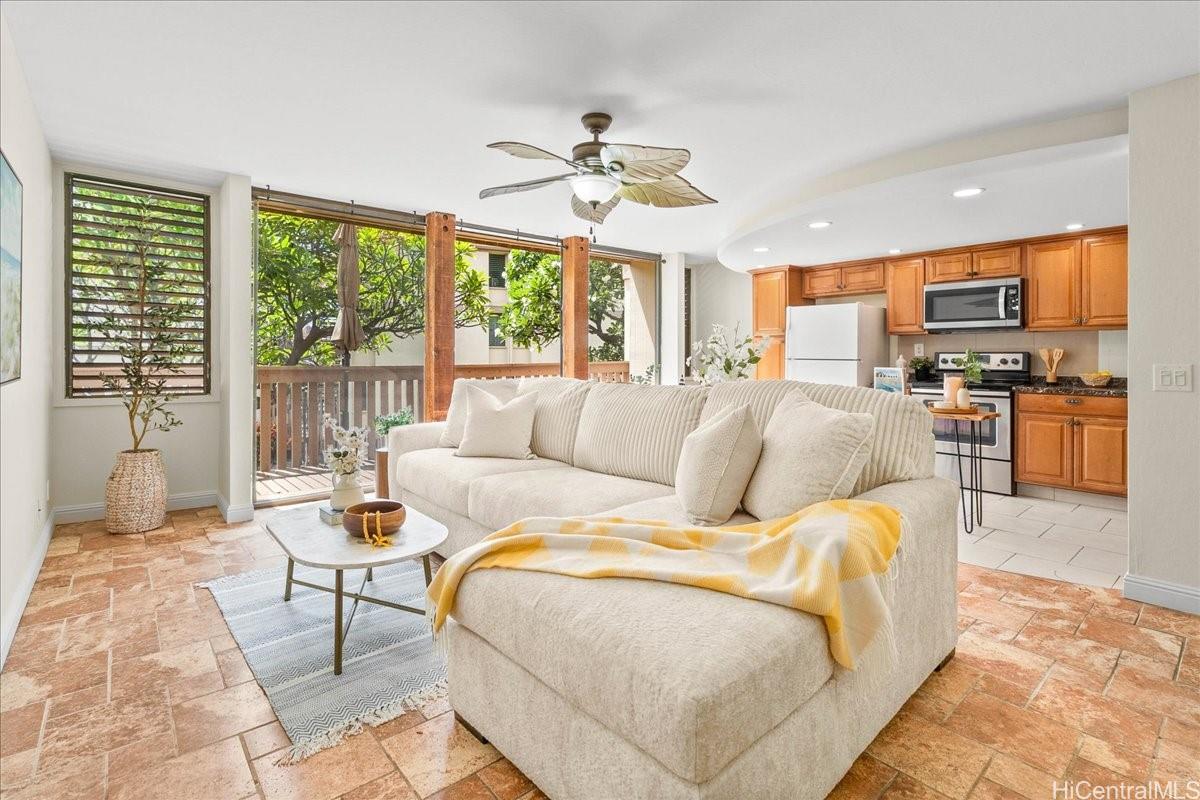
1086,351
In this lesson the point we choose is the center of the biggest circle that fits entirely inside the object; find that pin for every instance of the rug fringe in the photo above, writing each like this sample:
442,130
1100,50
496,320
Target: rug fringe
352,727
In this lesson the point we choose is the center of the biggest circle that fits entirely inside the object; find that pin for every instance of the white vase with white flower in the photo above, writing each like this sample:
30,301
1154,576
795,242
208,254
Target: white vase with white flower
345,459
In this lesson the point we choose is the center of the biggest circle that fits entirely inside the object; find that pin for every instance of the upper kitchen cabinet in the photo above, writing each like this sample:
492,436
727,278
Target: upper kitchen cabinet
906,296
999,262
774,289
1078,283
1104,288
945,267
858,278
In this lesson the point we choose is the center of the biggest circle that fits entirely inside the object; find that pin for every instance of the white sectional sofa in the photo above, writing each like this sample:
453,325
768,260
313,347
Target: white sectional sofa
622,688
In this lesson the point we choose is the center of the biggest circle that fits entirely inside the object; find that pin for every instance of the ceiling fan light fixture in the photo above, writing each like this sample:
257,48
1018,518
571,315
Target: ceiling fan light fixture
591,187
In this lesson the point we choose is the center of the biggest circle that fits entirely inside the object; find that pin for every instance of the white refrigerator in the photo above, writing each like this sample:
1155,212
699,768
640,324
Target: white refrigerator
836,343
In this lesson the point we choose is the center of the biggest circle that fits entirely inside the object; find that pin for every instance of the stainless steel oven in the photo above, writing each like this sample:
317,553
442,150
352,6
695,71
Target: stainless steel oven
973,305
997,440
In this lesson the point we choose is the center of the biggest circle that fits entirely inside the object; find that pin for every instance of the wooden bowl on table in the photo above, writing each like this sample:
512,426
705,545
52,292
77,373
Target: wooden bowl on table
390,513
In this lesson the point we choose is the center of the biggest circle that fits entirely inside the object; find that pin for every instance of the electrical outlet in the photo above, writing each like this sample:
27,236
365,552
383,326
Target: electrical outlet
919,349
1172,378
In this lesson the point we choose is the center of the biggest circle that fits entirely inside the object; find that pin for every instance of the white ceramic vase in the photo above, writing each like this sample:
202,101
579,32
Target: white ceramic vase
346,491
963,400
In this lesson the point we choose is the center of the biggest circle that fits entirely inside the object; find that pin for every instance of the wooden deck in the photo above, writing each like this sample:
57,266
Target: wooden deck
298,484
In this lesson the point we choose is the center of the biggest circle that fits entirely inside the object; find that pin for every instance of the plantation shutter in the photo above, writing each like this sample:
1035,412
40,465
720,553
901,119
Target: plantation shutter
496,263
110,225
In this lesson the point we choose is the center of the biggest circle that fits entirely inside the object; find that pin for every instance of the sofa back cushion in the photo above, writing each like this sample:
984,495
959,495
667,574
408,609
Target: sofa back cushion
504,389
556,421
902,448
760,396
637,431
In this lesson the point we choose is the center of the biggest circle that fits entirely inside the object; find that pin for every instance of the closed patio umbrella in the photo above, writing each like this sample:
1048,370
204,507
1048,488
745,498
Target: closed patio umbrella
347,331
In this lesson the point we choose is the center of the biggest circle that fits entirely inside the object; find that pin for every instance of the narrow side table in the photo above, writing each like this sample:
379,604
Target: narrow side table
381,474
972,494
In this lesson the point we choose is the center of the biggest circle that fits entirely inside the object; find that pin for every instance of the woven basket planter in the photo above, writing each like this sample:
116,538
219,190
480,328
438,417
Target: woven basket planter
135,498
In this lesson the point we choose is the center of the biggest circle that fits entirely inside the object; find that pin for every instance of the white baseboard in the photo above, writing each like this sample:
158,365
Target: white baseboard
8,626
238,513
87,512
1163,593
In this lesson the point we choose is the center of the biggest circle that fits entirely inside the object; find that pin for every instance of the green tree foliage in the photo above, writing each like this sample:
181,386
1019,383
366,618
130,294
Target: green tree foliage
533,316
297,288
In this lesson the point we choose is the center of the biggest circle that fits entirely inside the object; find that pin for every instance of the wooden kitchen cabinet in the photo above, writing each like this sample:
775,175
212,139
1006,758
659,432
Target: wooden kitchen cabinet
946,267
857,278
1045,449
999,262
1104,281
863,278
906,296
774,290
1076,442
1100,460
1078,283
822,282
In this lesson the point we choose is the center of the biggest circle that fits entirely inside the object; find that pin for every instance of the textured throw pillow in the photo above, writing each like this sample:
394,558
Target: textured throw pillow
810,453
495,429
559,406
456,415
715,465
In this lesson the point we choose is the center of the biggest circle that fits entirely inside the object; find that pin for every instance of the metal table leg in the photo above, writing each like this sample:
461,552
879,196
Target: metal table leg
977,468
428,571
337,622
287,586
968,519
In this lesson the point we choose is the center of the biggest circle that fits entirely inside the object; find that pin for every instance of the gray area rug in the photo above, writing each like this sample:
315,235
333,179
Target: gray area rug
390,662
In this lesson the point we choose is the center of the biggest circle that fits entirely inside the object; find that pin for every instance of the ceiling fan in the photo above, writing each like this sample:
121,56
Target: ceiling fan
604,173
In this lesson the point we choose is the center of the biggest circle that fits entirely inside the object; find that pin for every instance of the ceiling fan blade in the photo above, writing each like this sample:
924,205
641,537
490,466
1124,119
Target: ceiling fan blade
635,163
523,186
670,192
522,150
585,211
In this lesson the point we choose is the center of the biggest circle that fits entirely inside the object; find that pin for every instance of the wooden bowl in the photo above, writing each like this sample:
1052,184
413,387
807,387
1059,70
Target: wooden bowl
1095,379
391,517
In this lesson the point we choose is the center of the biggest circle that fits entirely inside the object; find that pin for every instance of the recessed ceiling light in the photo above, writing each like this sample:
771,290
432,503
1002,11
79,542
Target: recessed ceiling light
1075,226
760,266
824,223
762,249
970,191
895,251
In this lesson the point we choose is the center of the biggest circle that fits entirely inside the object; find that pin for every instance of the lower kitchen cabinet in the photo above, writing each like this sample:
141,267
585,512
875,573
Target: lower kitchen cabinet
1073,442
771,366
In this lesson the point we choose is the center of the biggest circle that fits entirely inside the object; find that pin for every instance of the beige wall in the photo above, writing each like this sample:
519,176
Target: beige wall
25,403
1164,310
719,295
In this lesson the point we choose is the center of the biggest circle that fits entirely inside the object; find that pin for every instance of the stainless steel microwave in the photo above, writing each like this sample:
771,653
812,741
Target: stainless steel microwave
973,305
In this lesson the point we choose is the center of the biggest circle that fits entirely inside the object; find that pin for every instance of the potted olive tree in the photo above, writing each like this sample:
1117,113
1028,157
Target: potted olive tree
143,328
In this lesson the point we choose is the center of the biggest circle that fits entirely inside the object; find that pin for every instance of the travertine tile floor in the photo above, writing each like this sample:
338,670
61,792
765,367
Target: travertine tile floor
1083,542
123,682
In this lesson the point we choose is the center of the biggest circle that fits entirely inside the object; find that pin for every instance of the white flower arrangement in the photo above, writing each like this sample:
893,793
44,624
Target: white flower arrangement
722,358
346,455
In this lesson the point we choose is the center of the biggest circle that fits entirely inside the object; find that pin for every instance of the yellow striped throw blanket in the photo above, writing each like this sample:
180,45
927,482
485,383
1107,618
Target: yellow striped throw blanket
825,559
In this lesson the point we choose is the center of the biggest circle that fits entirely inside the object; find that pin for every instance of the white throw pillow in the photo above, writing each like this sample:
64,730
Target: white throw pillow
495,429
456,415
715,465
810,453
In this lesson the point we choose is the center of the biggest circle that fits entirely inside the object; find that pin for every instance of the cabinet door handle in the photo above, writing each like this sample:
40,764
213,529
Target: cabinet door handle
1073,401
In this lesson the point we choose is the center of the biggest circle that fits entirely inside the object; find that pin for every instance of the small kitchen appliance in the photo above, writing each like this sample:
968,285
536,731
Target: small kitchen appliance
1001,372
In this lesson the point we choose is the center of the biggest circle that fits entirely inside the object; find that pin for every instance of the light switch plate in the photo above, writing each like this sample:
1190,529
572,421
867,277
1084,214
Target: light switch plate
1172,377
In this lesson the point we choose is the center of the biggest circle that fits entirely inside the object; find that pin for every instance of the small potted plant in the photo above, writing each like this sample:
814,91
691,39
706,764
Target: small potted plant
385,422
723,358
972,368
922,367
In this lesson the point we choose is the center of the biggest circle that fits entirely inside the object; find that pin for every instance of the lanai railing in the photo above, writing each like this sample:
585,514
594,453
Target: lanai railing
292,402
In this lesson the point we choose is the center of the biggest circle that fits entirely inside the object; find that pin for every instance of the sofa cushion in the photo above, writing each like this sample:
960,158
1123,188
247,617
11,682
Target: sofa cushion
504,389
902,449
715,465
496,429
502,499
691,676
810,453
559,405
667,509
441,476
636,431
760,396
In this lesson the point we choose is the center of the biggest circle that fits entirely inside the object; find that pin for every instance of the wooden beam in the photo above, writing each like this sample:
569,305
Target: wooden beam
575,307
439,314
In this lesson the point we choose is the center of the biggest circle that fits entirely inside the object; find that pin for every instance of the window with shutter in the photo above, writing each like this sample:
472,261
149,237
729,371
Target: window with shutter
137,263
496,262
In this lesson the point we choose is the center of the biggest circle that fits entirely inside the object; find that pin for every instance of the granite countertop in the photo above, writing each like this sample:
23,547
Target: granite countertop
1071,384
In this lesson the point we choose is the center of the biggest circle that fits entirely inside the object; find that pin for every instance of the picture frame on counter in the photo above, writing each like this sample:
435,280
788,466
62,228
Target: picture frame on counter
889,379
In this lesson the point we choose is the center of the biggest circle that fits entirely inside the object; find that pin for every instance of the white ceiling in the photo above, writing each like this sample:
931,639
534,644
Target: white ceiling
391,104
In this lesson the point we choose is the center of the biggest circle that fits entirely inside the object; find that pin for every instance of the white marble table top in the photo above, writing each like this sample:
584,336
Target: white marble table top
309,541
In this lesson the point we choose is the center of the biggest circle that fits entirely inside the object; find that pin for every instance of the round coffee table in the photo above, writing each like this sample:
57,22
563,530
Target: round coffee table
307,540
